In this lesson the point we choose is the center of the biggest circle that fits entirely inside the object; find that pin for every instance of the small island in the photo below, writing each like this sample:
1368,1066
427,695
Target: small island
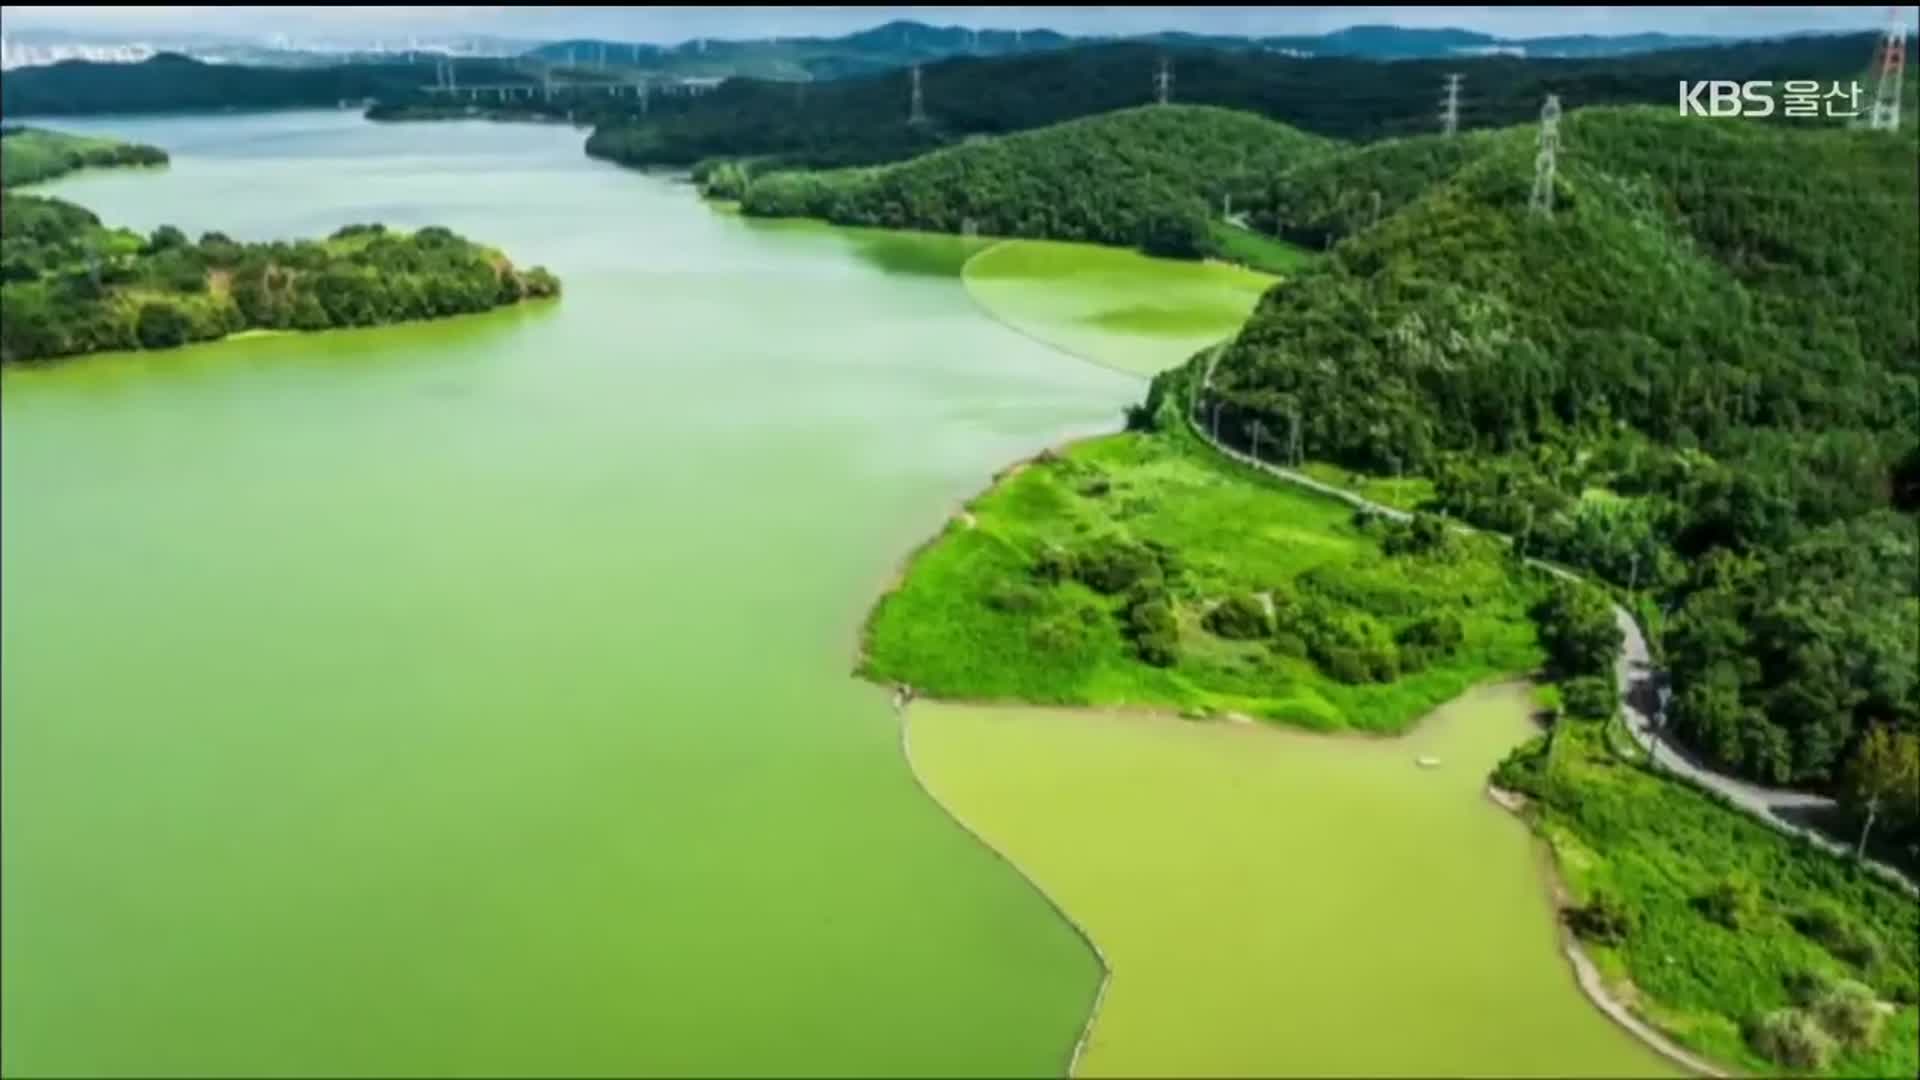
70,285
30,155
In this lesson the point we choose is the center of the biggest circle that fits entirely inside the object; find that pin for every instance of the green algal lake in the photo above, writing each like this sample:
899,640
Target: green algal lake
474,697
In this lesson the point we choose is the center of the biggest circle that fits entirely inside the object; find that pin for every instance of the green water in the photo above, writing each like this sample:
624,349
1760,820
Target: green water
1110,306
1275,903
473,697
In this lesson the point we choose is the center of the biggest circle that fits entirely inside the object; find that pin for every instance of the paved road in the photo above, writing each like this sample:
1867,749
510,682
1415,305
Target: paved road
1640,687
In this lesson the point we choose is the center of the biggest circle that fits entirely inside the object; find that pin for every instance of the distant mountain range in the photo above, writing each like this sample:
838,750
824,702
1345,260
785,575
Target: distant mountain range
890,45
899,43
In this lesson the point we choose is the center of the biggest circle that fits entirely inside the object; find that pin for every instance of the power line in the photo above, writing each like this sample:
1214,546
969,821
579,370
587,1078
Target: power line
1541,202
917,112
1892,62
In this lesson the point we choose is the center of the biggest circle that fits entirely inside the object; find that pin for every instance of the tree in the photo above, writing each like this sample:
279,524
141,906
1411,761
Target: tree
1578,628
166,238
1884,769
161,325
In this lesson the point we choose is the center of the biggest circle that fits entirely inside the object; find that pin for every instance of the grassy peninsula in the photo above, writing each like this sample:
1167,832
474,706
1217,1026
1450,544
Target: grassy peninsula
30,155
70,285
1144,570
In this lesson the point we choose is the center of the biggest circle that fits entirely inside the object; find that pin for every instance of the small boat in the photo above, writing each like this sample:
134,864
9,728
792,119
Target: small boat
1426,762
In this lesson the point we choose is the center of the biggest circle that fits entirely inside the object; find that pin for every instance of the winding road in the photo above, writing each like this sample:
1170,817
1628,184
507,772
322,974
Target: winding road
1641,691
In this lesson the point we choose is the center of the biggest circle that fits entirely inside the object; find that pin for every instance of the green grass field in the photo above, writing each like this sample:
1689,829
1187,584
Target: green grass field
971,621
1113,307
1726,916
1273,903
1256,250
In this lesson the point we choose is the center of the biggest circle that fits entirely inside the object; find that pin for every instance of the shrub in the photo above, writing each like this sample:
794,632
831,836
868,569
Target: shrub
1733,902
1849,1013
1240,617
1602,919
1290,645
1151,626
1791,1037
1425,534
1383,665
1589,697
160,325
1096,487
1057,635
1343,665
1439,634
1015,598
1416,658
1521,769
1055,565
1826,923
1113,566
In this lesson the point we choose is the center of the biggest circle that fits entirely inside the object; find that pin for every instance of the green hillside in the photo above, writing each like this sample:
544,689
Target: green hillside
1696,377
1144,177
30,155
863,121
70,285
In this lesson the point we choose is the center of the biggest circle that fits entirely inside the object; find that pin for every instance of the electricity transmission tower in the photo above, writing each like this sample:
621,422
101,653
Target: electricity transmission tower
1542,200
917,113
1163,82
1885,115
1450,113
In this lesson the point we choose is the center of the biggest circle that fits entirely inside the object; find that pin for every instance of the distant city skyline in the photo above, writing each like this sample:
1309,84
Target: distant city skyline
674,24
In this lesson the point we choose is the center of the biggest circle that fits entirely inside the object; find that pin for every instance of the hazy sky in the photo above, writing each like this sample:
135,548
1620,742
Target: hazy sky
672,24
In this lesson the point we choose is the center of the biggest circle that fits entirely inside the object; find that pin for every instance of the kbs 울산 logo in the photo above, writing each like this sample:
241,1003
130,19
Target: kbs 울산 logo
1756,98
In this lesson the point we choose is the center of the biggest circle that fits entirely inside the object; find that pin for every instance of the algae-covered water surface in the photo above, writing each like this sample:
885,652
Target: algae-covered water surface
473,697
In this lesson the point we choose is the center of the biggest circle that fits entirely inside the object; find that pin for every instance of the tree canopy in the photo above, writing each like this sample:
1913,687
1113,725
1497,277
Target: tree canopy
1142,177
1699,378
69,285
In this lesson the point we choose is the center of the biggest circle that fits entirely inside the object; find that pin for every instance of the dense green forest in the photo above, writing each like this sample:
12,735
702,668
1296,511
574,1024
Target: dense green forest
864,121
1143,177
170,82
69,285
31,155
1698,379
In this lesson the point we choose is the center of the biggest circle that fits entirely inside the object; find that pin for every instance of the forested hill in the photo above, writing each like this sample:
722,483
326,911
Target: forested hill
1143,177
170,82
31,155
1699,377
864,121
70,285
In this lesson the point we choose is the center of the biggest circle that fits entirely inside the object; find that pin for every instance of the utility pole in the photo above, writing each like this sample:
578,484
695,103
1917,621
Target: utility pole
1541,201
917,112
645,88
453,83
603,56
1450,117
1376,209
1885,115
1163,82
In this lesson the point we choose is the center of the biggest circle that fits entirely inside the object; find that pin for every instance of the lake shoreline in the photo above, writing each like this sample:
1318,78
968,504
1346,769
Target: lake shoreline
1586,974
